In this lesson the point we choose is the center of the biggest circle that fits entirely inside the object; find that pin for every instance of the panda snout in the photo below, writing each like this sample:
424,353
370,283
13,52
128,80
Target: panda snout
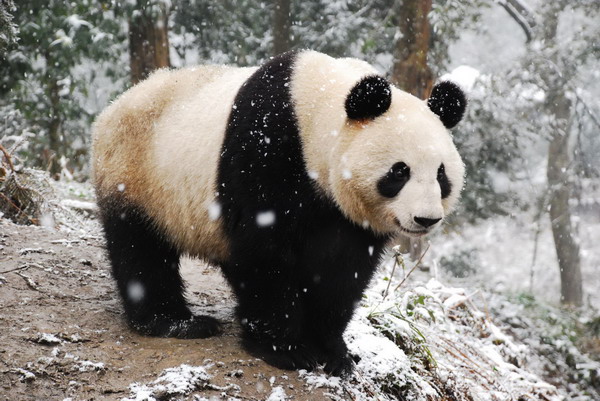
426,222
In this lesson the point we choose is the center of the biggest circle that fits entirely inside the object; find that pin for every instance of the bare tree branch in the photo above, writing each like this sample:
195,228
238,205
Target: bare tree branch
521,14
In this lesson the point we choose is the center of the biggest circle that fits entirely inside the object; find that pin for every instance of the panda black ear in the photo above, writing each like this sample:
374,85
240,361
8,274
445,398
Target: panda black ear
449,102
370,98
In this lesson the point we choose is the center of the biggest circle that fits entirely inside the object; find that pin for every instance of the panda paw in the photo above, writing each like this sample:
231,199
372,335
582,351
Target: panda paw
283,356
193,327
339,365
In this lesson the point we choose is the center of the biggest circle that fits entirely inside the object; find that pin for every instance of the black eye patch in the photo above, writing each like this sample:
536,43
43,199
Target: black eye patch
442,179
390,184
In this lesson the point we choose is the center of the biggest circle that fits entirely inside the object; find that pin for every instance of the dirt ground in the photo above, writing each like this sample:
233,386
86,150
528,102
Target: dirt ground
63,334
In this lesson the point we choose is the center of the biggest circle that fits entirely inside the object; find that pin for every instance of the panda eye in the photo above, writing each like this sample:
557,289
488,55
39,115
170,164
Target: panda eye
400,171
392,182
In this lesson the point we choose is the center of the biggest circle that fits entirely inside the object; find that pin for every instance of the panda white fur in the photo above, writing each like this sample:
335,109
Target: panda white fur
292,177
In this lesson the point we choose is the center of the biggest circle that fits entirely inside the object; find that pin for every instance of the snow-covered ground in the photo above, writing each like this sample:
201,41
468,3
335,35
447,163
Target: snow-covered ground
429,341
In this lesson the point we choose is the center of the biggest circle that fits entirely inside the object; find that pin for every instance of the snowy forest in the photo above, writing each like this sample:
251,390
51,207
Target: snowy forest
501,303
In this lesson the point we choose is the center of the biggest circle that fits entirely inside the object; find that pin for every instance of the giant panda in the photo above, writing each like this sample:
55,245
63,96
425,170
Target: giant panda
293,177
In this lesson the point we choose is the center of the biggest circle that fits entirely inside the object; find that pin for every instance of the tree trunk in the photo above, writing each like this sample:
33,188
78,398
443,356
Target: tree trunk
55,146
557,172
148,43
411,72
281,27
567,247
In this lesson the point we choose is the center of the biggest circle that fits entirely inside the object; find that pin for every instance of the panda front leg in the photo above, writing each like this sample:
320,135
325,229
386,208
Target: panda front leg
330,313
337,264
271,313
146,269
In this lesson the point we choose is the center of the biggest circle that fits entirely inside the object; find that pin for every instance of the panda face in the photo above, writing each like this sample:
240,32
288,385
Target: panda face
399,172
383,156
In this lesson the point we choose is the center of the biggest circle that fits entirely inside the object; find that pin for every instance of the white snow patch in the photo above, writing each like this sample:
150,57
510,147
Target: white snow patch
464,76
47,338
26,376
176,381
76,22
277,394
86,366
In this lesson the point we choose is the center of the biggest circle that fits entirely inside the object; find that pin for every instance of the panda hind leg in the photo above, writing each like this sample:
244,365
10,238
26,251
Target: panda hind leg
146,269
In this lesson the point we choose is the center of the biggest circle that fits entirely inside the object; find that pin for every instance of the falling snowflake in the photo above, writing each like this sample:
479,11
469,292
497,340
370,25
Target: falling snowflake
265,219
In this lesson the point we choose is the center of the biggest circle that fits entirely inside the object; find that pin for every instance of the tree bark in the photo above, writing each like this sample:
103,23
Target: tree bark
148,43
557,171
566,245
55,150
411,71
281,27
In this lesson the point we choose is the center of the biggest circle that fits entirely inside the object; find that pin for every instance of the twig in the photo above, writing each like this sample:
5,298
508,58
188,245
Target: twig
413,268
24,267
398,260
8,158
30,283
459,354
19,210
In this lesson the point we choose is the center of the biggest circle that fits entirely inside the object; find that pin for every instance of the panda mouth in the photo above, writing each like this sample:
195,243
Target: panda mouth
412,233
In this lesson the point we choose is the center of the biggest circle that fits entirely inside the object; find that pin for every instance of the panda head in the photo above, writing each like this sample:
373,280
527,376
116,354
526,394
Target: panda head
398,170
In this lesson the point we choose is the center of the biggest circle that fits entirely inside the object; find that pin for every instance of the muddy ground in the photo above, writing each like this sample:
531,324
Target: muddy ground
63,334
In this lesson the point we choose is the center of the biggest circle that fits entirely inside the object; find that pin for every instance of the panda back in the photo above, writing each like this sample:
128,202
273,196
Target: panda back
157,148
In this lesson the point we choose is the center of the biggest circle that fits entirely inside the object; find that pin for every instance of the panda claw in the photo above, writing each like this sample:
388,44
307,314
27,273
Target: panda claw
193,327
287,357
341,366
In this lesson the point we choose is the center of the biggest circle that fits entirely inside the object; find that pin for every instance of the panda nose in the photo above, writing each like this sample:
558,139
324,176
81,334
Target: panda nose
426,222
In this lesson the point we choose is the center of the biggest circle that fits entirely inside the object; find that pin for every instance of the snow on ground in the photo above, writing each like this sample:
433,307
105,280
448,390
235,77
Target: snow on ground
176,381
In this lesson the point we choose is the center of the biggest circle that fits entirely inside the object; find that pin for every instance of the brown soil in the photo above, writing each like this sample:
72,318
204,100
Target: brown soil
60,284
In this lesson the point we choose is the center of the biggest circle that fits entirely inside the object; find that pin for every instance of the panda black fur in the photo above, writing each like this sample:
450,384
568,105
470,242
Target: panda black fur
280,175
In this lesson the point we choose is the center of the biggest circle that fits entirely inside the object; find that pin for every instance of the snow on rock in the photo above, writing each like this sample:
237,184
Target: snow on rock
47,339
87,366
176,381
277,394
26,375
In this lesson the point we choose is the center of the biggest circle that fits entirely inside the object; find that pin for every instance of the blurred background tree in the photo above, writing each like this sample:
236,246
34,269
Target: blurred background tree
148,38
8,30
45,78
